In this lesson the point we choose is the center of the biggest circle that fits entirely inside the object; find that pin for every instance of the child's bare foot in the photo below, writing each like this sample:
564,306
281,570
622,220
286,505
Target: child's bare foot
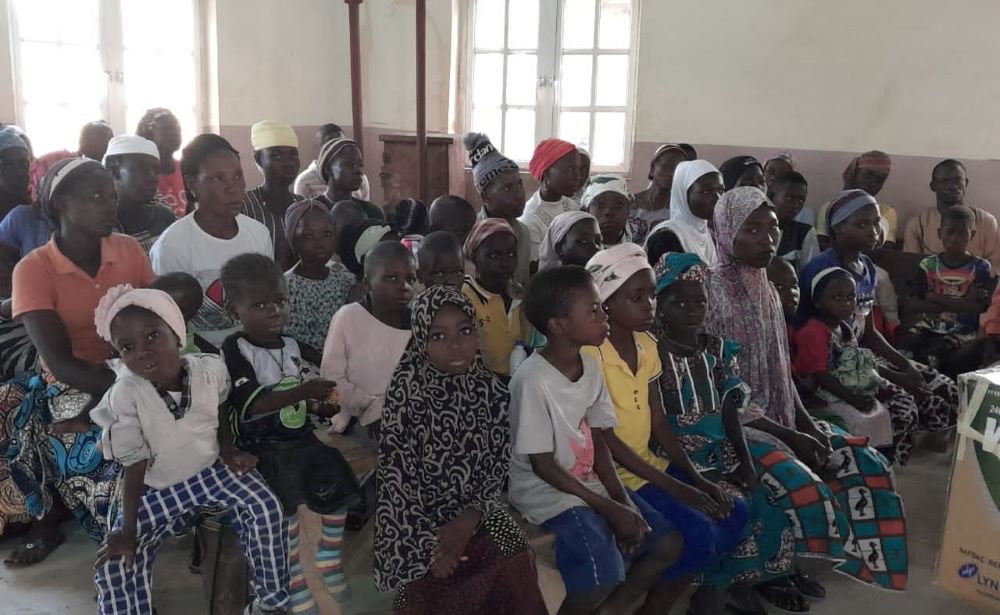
78,424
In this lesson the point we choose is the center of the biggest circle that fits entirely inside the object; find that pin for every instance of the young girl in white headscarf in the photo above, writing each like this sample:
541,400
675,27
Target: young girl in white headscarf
572,239
696,189
160,420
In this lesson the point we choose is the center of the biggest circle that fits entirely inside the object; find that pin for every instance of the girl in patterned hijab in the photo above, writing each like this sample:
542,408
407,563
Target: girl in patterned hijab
443,536
781,435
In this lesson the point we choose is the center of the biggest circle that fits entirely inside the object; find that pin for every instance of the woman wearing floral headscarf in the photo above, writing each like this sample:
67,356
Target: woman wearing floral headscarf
443,536
746,308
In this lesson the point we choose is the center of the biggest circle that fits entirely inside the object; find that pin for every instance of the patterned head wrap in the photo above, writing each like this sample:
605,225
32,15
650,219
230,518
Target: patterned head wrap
613,267
600,184
846,203
548,257
679,267
298,210
481,231
469,411
156,301
327,153
546,154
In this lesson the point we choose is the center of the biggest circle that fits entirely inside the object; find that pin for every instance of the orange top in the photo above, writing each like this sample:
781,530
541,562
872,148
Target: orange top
46,280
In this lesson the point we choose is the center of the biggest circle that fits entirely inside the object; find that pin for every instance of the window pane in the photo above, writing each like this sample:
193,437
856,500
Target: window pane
51,20
487,76
53,126
615,31
78,22
578,24
33,22
156,79
488,122
489,24
147,25
574,126
612,80
521,79
523,33
519,136
61,74
609,139
575,77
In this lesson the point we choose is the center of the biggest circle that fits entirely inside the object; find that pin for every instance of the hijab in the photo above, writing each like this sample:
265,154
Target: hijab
444,447
691,231
743,306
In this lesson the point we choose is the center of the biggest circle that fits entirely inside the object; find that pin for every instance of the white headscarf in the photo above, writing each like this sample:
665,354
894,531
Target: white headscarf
692,232
547,255
613,267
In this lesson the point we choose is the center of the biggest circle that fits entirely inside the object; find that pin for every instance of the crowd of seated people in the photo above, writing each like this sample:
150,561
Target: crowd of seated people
698,384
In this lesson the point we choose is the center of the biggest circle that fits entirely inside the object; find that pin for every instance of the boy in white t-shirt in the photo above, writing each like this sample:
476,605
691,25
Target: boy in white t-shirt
562,474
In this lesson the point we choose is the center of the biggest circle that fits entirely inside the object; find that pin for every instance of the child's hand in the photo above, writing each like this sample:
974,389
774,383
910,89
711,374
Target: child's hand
723,501
240,462
317,389
628,525
809,450
118,544
698,498
453,538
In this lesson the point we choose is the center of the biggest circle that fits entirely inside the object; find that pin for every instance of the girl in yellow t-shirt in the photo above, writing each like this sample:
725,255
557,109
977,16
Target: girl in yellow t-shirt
707,515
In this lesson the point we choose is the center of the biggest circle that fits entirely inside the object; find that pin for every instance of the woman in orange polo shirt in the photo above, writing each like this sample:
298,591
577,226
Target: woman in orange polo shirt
55,292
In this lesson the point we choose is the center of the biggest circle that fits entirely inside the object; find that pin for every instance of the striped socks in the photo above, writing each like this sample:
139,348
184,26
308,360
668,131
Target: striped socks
328,557
301,599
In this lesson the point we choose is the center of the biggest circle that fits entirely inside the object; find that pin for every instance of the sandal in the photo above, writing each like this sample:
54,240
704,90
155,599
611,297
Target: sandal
783,595
809,587
34,551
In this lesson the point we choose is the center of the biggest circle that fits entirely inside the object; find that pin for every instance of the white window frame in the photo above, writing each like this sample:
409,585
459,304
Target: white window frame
547,107
112,50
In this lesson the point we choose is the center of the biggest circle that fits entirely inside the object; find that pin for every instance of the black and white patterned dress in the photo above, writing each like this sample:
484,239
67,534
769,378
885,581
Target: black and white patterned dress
444,448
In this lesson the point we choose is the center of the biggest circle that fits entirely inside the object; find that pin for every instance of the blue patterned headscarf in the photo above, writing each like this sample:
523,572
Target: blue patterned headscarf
679,266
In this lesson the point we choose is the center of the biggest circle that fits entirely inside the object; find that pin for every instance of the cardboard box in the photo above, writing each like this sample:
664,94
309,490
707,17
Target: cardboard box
969,562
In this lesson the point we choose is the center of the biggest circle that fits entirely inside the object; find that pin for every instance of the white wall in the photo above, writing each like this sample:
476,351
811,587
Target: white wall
290,61
911,77
7,112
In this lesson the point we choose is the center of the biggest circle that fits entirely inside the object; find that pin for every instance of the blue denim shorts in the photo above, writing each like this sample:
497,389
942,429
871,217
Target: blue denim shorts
587,554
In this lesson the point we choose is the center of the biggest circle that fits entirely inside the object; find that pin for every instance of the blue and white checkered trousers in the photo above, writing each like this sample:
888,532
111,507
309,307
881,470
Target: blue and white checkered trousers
259,522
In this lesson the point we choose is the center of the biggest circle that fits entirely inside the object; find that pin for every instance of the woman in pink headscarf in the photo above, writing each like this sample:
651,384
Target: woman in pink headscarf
867,528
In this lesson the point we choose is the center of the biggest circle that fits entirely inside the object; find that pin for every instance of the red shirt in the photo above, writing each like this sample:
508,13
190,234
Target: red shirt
172,190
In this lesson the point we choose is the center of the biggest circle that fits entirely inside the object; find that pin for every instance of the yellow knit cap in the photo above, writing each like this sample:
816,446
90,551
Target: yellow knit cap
269,133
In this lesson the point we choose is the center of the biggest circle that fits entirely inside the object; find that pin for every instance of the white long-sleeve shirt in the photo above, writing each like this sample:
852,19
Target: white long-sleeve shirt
360,354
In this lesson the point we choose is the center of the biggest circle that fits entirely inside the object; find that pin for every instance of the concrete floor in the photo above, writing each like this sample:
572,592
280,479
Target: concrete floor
63,583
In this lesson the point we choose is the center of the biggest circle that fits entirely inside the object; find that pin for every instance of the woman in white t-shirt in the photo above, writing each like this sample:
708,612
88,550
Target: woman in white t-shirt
200,244
554,164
